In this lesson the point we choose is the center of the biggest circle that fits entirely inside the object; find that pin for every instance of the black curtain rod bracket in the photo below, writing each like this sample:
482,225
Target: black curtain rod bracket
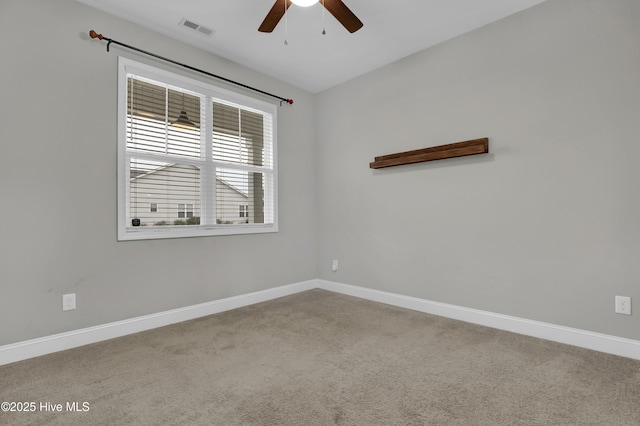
94,34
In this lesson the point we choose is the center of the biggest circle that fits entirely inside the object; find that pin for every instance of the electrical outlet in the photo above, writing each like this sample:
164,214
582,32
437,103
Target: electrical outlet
68,302
623,305
334,265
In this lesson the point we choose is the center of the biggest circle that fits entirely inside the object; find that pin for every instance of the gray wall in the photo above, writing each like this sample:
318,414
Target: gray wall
546,226
58,183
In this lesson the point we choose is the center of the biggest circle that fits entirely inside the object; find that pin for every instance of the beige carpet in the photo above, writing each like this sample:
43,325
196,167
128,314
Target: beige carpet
319,358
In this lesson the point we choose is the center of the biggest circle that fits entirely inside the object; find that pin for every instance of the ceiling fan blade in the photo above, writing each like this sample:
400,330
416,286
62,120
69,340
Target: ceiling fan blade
343,14
275,14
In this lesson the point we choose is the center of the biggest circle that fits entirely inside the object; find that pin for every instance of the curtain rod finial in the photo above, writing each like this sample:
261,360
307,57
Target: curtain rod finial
94,34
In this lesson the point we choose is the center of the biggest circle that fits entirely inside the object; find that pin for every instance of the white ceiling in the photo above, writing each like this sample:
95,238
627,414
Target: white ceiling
312,61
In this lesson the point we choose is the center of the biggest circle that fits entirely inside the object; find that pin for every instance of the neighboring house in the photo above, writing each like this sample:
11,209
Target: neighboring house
233,204
171,193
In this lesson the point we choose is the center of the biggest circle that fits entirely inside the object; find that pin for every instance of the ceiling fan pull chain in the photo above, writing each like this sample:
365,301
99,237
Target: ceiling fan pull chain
286,25
324,32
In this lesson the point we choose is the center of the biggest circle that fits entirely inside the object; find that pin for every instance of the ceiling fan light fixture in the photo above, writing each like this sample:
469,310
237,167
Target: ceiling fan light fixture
336,7
304,3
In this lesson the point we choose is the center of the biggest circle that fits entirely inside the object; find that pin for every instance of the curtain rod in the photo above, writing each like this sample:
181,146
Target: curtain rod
94,34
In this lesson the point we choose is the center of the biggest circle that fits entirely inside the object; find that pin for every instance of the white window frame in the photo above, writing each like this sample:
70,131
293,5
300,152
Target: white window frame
185,209
126,231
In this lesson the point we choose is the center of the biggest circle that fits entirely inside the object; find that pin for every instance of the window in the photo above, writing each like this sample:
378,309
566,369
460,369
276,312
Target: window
185,210
193,159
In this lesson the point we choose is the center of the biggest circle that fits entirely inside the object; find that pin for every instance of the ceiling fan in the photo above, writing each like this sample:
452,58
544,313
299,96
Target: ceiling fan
336,7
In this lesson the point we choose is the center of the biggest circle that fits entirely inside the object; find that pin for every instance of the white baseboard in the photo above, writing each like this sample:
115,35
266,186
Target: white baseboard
576,337
572,336
58,342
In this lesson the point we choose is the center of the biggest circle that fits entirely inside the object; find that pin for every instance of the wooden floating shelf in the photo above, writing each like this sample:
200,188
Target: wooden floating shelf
452,150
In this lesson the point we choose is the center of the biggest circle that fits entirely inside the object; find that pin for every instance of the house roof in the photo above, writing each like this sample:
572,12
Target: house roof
139,174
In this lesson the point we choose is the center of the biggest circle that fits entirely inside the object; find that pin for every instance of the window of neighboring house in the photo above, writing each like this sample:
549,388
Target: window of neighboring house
184,143
185,210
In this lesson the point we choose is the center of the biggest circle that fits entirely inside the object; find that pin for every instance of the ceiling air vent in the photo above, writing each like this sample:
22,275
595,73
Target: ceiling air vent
188,23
